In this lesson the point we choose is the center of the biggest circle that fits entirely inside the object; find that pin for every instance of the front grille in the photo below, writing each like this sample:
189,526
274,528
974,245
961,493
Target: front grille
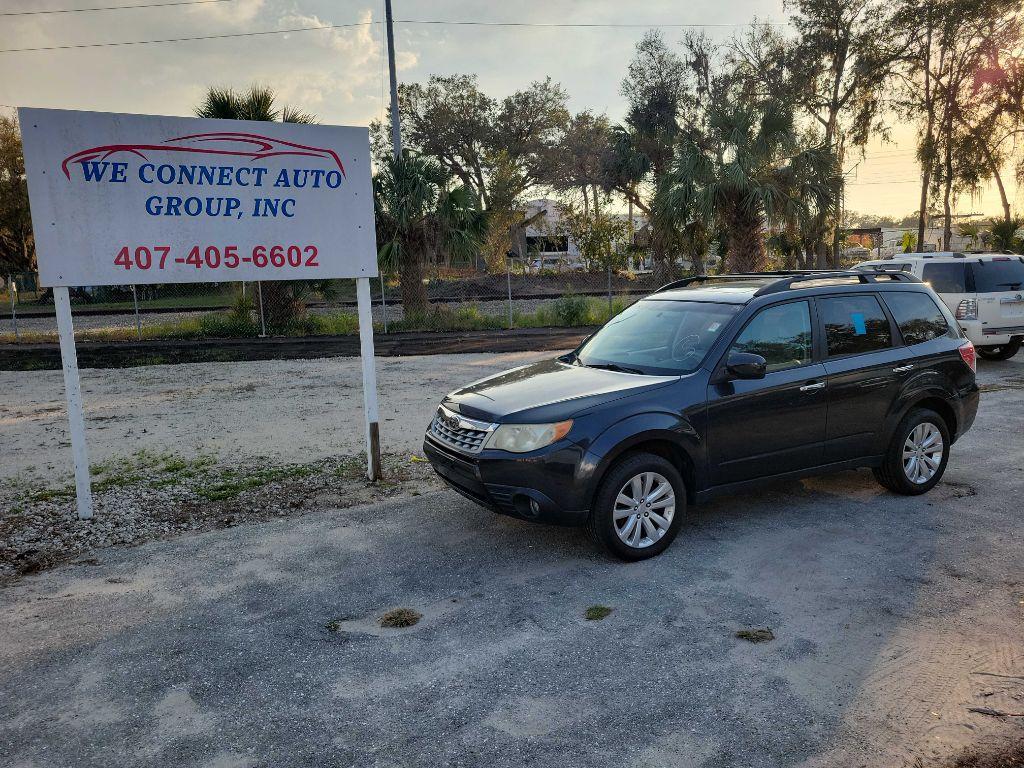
466,435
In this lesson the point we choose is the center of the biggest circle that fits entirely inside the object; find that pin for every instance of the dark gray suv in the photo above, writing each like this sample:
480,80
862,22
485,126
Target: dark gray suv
706,386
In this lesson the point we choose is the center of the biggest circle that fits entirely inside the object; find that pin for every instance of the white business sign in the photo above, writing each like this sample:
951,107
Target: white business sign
126,199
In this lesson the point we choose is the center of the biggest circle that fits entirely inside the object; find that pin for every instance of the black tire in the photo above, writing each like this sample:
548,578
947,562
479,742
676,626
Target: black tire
602,523
1002,352
892,474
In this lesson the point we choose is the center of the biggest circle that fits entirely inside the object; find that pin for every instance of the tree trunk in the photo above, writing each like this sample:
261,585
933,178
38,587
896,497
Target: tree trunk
837,232
994,167
929,134
745,250
947,193
413,289
660,266
281,305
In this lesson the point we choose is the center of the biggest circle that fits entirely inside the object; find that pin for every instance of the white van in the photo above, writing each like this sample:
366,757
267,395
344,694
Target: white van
985,291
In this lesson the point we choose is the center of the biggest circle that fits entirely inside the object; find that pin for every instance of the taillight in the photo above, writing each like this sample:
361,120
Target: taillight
969,355
967,310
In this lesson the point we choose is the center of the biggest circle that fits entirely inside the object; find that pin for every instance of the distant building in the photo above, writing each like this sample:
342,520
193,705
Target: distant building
547,242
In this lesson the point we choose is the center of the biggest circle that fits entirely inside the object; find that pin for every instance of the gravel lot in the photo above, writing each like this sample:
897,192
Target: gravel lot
259,645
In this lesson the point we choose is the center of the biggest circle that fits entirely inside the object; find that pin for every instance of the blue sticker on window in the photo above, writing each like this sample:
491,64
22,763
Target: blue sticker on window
858,323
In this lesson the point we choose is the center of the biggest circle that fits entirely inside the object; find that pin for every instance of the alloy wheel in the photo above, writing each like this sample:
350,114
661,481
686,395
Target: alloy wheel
644,510
922,453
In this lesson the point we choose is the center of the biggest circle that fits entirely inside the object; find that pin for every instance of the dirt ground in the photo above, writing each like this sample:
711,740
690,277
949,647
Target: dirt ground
293,411
259,645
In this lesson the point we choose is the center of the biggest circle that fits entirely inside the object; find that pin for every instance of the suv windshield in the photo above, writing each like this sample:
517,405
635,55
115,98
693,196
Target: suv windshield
658,337
993,276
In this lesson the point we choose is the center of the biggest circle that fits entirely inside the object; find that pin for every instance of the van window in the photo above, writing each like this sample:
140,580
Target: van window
917,316
946,278
854,324
998,275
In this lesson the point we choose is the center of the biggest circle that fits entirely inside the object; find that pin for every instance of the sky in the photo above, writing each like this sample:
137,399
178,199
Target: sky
340,74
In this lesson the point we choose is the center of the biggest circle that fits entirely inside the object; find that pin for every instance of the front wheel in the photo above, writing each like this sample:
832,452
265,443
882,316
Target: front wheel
639,507
917,455
1001,352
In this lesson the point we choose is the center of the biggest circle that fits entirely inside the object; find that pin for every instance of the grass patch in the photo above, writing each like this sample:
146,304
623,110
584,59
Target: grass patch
597,612
52,494
242,322
232,484
756,635
400,618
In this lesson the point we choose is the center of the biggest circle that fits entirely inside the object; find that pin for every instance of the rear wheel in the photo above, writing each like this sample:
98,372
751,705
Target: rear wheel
639,507
917,455
1001,352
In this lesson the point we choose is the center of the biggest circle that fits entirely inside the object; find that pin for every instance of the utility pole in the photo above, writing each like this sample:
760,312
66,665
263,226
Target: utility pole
396,131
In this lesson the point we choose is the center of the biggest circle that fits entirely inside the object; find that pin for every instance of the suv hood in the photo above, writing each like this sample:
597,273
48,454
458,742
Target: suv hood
550,390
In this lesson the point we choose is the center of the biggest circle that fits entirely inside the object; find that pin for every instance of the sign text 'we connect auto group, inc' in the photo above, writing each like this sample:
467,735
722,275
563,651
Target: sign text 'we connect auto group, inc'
120,199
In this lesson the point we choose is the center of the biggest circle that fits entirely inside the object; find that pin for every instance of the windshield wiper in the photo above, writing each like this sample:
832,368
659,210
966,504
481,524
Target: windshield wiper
614,367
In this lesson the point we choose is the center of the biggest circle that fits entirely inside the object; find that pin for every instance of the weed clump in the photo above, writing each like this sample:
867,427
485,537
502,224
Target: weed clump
597,612
756,635
400,618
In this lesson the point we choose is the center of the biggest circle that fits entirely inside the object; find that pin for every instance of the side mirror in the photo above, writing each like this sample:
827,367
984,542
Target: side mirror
744,365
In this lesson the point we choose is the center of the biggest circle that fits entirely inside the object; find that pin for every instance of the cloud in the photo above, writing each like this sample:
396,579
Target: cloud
349,75
355,42
406,60
236,12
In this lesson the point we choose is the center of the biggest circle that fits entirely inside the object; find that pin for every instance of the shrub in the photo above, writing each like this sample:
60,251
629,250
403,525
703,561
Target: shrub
572,310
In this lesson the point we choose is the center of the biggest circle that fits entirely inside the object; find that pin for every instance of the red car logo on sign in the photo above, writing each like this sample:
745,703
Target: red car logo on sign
224,143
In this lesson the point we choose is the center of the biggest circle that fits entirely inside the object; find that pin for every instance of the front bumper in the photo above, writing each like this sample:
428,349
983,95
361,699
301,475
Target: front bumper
545,486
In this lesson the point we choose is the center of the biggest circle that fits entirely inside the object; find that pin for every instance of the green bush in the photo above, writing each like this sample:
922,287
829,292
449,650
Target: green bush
443,318
572,310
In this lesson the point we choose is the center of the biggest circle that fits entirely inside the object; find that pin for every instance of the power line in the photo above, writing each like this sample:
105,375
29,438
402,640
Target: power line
183,39
353,24
112,7
555,24
872,183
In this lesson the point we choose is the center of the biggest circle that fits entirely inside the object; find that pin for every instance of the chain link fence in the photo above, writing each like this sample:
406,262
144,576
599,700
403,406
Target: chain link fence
458,300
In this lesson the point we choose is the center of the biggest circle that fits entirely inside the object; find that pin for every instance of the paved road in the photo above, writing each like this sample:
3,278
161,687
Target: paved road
891,616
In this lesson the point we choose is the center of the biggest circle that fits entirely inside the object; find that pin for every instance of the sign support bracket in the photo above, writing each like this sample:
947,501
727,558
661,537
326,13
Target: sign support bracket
365,306
73,392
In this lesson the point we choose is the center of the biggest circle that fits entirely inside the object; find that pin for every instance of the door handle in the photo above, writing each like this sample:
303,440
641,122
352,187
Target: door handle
902,368
813,387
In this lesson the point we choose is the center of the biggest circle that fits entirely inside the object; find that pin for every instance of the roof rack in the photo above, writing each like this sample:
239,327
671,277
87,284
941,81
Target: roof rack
686,281
862,277
787,278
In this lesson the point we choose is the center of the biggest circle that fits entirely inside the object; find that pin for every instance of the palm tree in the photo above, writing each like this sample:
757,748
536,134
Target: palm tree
419,214
971,230
749,169
283,300
257,103
1005,237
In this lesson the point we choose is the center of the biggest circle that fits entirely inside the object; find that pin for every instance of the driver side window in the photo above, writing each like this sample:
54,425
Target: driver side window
780,334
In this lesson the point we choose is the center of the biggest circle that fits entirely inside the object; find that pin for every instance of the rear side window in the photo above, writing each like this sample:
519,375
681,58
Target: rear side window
854,324
780,334
917,316
998,275
946,278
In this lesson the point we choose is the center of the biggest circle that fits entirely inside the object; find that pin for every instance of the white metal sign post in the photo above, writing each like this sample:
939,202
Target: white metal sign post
132,199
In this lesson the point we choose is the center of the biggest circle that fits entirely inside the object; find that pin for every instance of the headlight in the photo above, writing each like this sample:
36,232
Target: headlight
521,438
